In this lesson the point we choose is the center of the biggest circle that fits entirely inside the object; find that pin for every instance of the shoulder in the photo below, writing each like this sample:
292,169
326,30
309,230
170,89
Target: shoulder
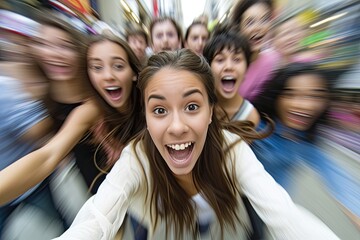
232,138
88,112
131,166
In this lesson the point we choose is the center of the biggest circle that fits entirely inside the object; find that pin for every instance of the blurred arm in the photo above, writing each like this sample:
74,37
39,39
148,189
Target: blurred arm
284,219
36,166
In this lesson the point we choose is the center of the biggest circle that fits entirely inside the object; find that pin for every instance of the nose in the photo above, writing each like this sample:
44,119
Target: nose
304,103
165,39
202,41
108,74
51,52
229,64
177,125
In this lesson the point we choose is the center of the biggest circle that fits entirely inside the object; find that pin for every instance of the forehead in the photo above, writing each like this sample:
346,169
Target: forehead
49,31
107,48
229,49
55,35
307,81
198,29
169,77
164,26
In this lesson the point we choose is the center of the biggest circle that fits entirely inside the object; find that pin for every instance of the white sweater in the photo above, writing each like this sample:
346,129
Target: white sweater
124,190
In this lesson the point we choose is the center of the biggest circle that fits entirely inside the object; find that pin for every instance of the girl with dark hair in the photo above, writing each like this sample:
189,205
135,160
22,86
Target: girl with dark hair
297,99
228,54
183,176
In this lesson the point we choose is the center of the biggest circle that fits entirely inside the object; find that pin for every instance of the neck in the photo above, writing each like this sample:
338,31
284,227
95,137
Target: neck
187,183
231,106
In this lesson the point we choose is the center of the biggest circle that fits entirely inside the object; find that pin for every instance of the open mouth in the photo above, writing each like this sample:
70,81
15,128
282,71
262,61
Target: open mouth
300,118
57,68
180,152
114,92
228,84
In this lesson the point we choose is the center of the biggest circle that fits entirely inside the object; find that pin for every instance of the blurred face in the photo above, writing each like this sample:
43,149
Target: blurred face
255,24
197,38
165,37
303,101
228,68
288,37
177,115
138,45
110,73
56,53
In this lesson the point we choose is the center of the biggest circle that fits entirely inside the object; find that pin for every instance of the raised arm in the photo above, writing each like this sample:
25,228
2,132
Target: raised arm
284,219
31,169
103,214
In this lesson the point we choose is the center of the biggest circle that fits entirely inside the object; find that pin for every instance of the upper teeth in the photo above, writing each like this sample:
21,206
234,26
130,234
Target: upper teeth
179,146
112,88
228,78
301,114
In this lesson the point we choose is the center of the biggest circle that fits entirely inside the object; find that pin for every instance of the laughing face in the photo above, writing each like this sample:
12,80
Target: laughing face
178,114
255,24
56,53
228,67
303,100
110,73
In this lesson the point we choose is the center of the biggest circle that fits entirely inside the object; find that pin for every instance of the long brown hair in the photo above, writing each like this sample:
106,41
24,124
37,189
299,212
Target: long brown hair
212,178
117,129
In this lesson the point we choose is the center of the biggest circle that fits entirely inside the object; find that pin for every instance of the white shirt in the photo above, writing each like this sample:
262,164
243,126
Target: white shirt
124,190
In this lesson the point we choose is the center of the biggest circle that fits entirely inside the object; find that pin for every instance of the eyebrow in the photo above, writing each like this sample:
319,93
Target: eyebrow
186,94
313,90
192,91
113,58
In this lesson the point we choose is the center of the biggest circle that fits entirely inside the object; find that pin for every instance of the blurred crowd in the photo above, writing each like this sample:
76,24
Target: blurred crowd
298,71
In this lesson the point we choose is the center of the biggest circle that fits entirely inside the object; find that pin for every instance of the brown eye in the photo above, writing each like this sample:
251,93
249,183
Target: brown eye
192,107
159,111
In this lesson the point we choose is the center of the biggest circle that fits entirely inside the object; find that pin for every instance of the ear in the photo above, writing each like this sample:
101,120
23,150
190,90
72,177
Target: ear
211,114
135,77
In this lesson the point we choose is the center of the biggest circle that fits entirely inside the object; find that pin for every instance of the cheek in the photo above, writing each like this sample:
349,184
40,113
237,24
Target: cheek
282,106
95,82
241,69
265,27
155,129
215,69
245,31
320,107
